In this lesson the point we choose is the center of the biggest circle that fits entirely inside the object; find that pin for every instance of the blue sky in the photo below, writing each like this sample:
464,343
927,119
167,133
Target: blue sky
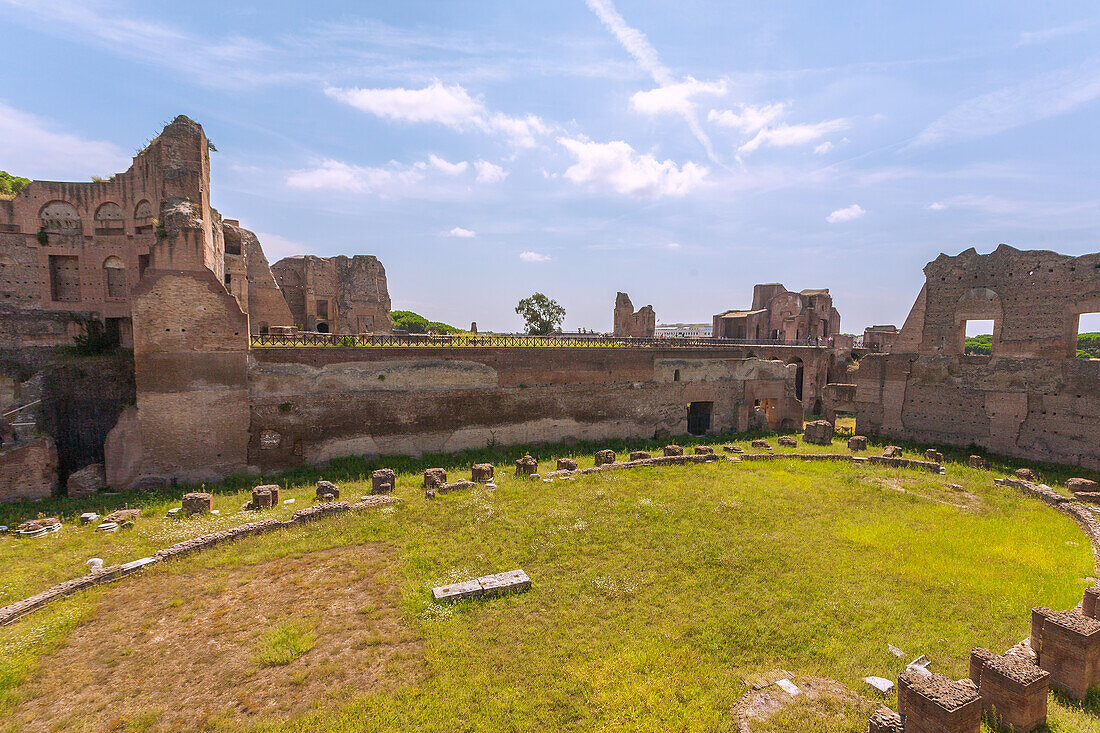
677,151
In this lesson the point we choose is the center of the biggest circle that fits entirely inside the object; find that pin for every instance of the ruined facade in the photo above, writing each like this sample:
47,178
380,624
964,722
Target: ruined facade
336,294
780,315
880,338
629,324
1030,397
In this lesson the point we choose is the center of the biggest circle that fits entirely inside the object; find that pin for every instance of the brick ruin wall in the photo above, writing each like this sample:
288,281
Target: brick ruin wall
311,405
335,294
1029,398
630,324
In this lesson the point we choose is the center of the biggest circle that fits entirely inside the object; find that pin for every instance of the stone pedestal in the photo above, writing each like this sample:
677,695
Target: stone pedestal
936,704
605,456
891,451
639,455
787,441
818,432
761,444
976,462
1014,694
567,464
434,477
327,489
703,450
1075,485
197,502
1069,649
673,450
1026,474
265,497
482,473
933,455
857,443
382,481
527,466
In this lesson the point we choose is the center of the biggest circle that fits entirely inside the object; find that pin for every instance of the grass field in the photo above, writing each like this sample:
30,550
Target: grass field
659,595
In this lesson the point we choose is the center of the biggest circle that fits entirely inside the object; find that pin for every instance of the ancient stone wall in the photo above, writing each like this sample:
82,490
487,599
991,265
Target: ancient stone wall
1027,399
779,314
335,294
629,324
28,470
311,405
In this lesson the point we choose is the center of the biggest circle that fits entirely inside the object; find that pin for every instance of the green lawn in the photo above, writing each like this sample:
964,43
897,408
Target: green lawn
656,594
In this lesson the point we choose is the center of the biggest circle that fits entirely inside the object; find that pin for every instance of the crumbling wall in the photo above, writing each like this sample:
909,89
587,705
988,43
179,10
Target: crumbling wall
1028,398
628,324
311,405
335,294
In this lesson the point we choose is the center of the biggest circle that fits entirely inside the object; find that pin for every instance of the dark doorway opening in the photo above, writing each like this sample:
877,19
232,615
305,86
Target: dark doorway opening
699,417
322,327
113,330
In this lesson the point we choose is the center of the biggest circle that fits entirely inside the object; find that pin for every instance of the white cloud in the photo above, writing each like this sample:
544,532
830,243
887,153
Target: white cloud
277,247
617,166
489,172
32,147
1031,38
638,46
451,106
675,98
782,136
823,148
450,169
937,206
461,233
750,120
529,256
1038,98
848,213
335,175
673,245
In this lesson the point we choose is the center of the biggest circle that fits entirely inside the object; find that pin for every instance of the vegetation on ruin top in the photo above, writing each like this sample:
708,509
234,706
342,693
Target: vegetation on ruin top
658,592
11,185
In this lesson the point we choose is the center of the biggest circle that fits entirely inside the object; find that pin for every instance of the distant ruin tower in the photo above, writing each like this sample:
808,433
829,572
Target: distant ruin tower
630,324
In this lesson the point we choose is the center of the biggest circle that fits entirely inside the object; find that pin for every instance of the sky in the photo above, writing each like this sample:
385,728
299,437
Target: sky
679,152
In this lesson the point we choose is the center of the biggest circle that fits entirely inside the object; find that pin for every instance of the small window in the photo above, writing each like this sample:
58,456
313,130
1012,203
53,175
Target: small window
676,376
979,337
1088,336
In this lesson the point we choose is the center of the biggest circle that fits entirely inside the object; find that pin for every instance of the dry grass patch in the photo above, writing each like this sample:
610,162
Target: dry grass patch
229,646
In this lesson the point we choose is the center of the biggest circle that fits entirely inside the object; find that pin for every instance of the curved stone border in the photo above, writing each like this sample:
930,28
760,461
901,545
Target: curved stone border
17,610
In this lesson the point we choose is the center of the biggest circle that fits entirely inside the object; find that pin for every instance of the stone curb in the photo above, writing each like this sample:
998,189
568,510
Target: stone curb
19,609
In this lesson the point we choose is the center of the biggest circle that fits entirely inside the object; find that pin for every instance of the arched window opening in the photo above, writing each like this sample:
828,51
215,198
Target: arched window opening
115,272
59,217
676,376
108,219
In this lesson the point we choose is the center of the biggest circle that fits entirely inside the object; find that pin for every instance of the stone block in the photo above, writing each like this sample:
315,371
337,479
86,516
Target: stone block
123,515
482,472
857,443
434,477
455,486
513,581
885,720
1092,497
731,448
673,450
703,450
978,657
1088,603
761,444
640,455
933,455
527,466
464,591
787,441
1026,474
1078,485
1014,694
1069,649
87,481
818,432
936,704
198,502
976,462
567,464
383,481
891,451
265,497
604,457
329,489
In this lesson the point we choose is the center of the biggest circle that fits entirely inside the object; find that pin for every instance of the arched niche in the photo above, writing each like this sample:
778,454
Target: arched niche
114,270
108,211
143,210
59,217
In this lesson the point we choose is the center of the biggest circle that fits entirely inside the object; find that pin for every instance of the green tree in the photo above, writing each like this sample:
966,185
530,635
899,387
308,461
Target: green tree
416,323
11,185
541,314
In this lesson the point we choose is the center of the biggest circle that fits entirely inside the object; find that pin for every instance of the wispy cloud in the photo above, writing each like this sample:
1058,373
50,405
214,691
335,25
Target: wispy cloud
489,172
451,106
1046,35
848,213
749,120
783,136
429,178
616,166
33,147
1041,97
529,256
673,91
461,233
443,166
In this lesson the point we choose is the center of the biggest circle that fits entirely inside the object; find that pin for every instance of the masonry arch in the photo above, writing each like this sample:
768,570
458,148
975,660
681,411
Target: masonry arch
59,217
143,210
114,271
108,211
977,304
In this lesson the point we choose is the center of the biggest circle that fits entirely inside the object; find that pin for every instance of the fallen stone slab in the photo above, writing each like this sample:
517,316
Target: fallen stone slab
455,486
881,685
464,591
487,586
